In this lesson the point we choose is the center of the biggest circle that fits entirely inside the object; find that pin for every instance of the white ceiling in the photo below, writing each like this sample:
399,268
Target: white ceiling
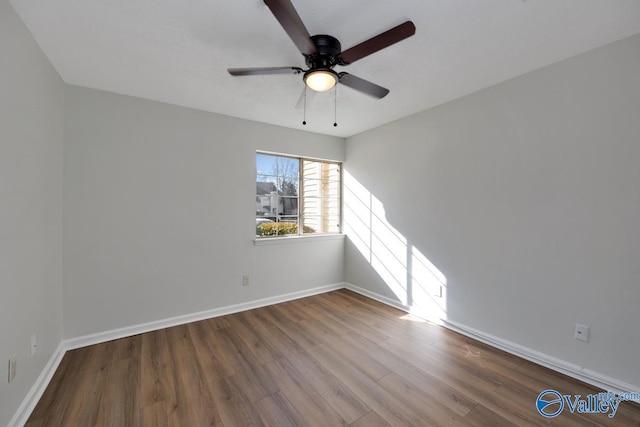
177,51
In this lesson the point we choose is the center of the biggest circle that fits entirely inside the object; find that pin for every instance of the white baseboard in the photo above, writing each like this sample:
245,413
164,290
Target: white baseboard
375,296
35,393
141,328
572,370
393,303
604,382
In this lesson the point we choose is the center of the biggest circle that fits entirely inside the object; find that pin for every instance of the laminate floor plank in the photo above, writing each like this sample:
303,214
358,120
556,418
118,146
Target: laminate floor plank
372,313
277,411
470,386
371,419
157,370
476,352
156,414
295,311
302,395
361,360
250,374
261,349
205,348
389,407
345,402
459,379
290,328
115,403
462,366
320,332
326,360
420,402
83,405
439,392
194,400
342,323
271,332
483,417
235,406
216,323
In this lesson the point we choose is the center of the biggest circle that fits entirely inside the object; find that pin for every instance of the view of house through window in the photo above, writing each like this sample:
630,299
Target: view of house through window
296,196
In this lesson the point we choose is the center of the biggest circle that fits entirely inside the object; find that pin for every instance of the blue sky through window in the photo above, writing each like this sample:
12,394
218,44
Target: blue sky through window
276,165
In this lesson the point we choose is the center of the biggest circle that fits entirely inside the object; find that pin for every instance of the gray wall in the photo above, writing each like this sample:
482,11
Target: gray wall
525,196
31,133
159,213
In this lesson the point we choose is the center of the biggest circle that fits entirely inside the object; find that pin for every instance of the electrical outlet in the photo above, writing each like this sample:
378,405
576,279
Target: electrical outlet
34,345
581,332
245,280
12,367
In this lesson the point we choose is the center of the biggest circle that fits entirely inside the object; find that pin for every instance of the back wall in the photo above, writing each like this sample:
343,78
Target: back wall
159,213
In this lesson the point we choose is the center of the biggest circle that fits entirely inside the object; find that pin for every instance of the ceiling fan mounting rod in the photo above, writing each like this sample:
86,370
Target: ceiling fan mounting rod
328,49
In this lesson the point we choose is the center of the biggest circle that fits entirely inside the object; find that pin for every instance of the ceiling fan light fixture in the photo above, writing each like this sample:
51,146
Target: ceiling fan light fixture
321,80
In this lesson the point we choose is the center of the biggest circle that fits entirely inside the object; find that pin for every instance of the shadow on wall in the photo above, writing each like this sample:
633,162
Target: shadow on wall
410,276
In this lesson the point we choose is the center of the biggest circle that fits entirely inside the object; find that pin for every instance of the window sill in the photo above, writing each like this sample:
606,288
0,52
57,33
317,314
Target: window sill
296,239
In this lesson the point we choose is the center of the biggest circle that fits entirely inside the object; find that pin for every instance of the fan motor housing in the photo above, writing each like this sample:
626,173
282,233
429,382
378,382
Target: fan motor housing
328,50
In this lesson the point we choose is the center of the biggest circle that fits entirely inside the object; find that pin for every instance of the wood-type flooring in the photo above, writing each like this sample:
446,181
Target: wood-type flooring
333,359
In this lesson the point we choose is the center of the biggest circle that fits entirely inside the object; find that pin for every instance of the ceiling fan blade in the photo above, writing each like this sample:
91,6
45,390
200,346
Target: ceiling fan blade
263,71
363,85
287,16
378,42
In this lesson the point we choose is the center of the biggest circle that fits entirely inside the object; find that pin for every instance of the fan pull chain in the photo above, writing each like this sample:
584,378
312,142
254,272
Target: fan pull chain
304,114
335,107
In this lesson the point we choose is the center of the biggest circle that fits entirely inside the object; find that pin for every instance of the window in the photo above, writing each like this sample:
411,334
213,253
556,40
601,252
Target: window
296,196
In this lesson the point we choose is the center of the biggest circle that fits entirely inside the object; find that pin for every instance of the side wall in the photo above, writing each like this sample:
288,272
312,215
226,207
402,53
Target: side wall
522,201
159,215
31,134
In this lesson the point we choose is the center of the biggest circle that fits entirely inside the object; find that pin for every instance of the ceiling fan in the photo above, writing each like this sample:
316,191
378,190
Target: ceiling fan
323,52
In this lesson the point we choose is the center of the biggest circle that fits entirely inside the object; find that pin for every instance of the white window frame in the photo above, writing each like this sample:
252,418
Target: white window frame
300,197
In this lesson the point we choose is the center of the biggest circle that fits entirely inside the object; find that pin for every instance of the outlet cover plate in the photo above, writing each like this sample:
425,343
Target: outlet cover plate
13,362
581,332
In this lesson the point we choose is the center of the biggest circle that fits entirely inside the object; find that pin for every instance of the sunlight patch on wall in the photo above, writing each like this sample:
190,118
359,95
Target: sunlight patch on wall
413,279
